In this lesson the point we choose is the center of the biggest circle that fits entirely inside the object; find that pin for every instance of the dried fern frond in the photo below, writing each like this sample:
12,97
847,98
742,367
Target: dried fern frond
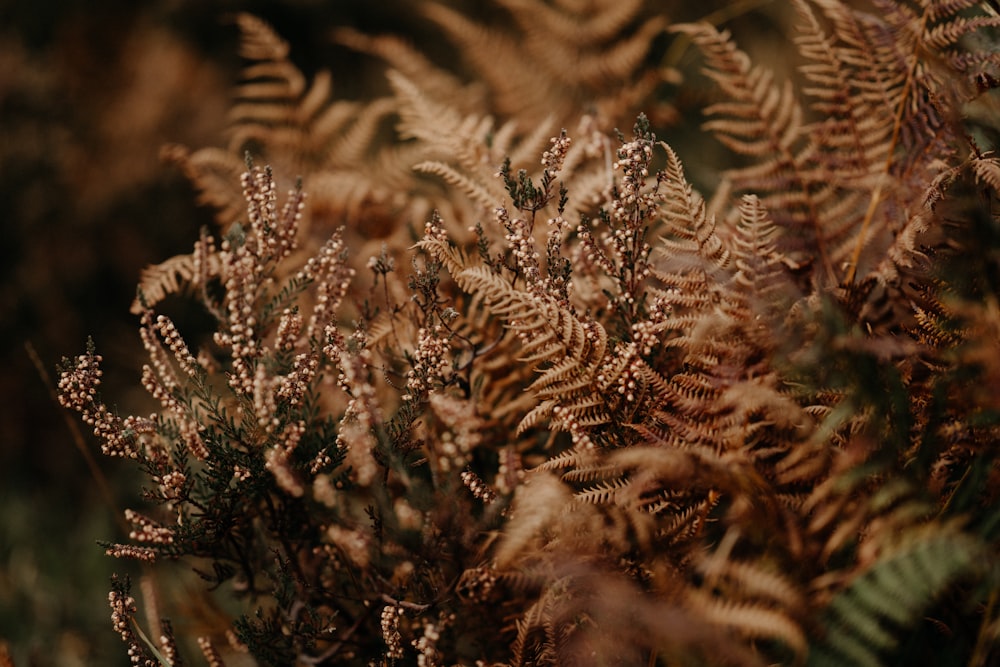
765,120
551,336
162,279
411,63
534,75
882,106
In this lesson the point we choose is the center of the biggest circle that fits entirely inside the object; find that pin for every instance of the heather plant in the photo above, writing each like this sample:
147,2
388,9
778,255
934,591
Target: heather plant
567,409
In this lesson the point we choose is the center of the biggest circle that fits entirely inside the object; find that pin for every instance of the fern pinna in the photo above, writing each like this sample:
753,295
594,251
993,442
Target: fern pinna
562,408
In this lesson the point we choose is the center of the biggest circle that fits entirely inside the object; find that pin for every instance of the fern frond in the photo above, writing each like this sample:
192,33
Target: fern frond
685,526
684,215
403,57
537,504
591,471
605,493
759,266
533,75
987,170
536,416
764,120
753,621
444,130
550,332
337,145
603,23
159,280
215,174
863,623
453,259
560,374
571,458
171,277
475,190
516,84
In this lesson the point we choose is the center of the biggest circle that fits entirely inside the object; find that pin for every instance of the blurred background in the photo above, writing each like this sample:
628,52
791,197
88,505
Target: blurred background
89,92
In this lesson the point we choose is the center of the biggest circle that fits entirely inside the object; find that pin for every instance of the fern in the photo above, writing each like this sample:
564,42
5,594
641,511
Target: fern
864,621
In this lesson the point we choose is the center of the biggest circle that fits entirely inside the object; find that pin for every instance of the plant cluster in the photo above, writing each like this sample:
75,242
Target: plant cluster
586,415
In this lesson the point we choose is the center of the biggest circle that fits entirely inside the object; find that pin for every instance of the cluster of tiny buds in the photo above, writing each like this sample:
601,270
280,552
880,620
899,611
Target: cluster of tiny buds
124,441
553,158
151,383
509,471
122,610
191,435
278,458
591,252
356,377
264,404
333,350
244,349
320,461
261,196
77,390
241,269
283,241
78,387
624,241
240,474
426,645
146,530
167,645
521,244
567,422
212,656
434,229
646,333
204,248
625,371
430,362
272,235
165,326
132,552
558,226
289,327
158,357
633,160
172,484
333,276
390,631
294,385
480,489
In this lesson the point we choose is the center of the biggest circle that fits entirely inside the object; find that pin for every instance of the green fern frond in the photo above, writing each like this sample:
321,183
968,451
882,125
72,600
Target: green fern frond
865,621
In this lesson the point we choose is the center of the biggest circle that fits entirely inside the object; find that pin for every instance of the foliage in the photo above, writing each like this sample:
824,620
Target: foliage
599,418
